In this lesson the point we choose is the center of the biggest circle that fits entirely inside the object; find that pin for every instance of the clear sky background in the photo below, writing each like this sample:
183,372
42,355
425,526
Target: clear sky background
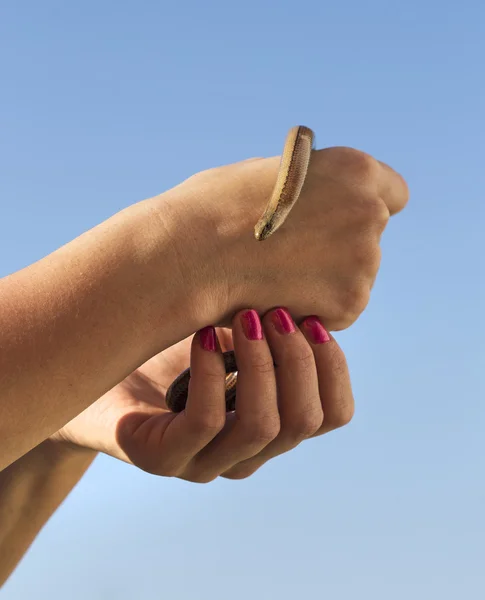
103,103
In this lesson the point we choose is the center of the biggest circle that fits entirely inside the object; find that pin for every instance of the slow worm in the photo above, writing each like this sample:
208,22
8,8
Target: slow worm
291,176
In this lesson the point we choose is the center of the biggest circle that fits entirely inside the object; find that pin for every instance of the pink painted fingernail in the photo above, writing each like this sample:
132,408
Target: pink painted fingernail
282,321
207,339
317,332
251,325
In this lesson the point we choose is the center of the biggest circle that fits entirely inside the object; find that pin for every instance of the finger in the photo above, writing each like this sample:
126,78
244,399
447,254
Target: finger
255,422
224,335
300,407
393,189
359,168
205,411
333,376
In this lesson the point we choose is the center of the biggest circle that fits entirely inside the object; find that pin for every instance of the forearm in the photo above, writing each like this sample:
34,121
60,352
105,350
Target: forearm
77,322
31,489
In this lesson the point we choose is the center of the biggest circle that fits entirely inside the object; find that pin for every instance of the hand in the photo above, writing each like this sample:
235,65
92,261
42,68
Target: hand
323,261
307,393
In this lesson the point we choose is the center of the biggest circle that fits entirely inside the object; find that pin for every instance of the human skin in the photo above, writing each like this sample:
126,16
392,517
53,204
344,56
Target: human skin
293,384
31,489
82,319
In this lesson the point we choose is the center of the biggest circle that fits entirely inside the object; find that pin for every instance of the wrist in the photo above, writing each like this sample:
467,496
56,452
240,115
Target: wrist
212,217
57,451
184,257
32,488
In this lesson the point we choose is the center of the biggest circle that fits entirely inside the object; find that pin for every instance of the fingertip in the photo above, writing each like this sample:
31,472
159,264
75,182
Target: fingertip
280,320
248,322
207,339
206,355
315,331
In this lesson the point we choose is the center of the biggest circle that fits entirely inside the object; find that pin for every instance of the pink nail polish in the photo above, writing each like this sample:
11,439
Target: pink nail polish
317,332
251,325
282,321
207,339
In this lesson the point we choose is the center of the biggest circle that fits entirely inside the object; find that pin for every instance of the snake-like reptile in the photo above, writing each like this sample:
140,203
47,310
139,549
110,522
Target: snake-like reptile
291,176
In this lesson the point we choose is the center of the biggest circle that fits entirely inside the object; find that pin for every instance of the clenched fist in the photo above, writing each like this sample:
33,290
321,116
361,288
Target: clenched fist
322,261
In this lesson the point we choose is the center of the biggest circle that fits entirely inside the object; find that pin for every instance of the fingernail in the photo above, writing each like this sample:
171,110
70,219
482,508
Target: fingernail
207,339
282,321
317,332
251,325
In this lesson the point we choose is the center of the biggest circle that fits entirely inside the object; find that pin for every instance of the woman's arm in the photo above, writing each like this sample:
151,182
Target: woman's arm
31,489
80,320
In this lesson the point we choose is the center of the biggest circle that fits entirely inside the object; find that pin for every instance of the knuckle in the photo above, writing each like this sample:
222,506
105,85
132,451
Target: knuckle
374,261
356,164
201,477
345,415
207,421
165,471
341,416
262,431
157,467
306,424
366,256
302,356
353,302
363,162
241,472
263,365
360,298
367,213
377,212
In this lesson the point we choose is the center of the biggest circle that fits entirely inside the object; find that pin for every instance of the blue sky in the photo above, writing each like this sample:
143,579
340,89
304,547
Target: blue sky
105,103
